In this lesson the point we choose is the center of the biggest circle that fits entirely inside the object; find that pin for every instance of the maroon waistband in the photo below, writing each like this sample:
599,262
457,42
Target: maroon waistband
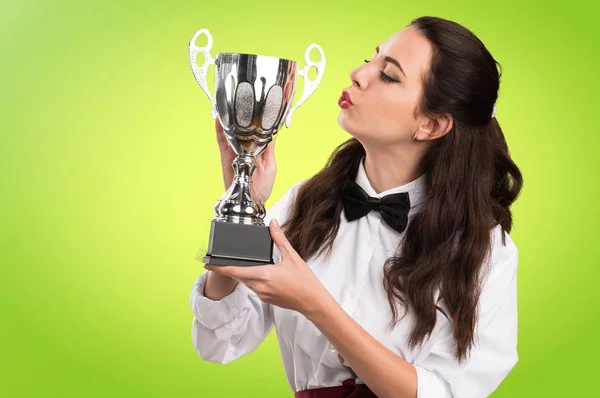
348,389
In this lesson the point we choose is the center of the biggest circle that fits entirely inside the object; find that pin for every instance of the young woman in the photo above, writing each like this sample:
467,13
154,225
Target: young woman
396,273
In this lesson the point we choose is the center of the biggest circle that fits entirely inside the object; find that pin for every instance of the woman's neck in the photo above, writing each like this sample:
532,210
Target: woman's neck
392,168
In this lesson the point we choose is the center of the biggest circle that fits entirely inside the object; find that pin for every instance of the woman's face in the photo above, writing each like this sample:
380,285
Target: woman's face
386,91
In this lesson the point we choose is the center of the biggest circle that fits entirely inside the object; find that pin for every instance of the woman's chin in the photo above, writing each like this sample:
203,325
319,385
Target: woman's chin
346,124
350,128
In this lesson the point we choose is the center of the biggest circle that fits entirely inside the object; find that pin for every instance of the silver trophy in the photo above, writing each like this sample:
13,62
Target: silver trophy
253,98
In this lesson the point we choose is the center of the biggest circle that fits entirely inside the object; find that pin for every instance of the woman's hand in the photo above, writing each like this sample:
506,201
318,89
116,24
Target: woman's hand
288,284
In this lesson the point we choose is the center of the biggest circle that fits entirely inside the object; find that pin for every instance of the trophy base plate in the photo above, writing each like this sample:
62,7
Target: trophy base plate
239,245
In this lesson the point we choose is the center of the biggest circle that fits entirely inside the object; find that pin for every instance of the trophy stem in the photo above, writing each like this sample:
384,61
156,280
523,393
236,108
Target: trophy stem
238,235
243,167
240,204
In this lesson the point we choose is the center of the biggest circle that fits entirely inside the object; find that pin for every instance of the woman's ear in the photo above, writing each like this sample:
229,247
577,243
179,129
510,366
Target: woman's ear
435,127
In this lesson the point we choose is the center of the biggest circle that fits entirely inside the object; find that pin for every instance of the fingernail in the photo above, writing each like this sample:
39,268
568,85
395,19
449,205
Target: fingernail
275,223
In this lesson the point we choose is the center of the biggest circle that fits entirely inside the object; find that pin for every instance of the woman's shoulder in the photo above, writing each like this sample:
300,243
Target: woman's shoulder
290,193
280,206
502,260
502,245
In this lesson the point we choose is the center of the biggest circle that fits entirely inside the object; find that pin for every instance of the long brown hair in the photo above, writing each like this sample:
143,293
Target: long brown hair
471,181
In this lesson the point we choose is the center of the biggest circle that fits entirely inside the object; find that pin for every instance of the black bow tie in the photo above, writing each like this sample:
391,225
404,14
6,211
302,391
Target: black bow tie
393,208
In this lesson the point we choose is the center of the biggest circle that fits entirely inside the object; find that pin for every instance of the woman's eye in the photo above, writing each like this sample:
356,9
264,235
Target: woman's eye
387,78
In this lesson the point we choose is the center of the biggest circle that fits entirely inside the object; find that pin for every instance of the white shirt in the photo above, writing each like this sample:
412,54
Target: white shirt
224,330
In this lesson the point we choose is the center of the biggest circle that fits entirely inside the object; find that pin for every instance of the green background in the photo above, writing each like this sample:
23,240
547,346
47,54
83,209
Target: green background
109,173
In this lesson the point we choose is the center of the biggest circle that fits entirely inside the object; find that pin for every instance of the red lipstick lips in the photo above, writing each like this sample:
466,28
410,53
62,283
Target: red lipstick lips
345,102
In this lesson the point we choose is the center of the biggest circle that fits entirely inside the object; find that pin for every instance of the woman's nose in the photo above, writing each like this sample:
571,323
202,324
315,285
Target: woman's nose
359,77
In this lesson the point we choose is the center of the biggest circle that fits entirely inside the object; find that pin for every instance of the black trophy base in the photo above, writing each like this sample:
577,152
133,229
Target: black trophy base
239,245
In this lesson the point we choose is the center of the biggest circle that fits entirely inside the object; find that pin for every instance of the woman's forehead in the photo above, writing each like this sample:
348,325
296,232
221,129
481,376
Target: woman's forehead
410,48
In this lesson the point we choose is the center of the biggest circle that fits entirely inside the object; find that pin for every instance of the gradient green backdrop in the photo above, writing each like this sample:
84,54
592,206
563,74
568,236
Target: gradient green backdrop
109,173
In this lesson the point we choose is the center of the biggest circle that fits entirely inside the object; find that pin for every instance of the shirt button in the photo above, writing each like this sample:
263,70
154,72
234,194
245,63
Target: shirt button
332,349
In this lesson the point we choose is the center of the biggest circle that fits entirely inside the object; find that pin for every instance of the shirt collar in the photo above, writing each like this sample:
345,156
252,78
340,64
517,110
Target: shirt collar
417,189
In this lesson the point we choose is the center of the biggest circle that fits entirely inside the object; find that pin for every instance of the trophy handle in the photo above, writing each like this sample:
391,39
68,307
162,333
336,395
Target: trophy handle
200,71
309,85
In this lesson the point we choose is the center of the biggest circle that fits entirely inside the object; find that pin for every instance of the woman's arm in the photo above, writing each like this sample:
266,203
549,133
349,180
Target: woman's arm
230,320
386,374
218,286
435,373
227,329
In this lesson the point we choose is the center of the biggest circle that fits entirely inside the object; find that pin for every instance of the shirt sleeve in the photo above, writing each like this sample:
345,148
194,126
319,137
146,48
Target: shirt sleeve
494,353
226,329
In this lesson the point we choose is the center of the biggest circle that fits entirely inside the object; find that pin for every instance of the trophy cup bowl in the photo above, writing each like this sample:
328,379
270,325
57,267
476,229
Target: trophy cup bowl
253,98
